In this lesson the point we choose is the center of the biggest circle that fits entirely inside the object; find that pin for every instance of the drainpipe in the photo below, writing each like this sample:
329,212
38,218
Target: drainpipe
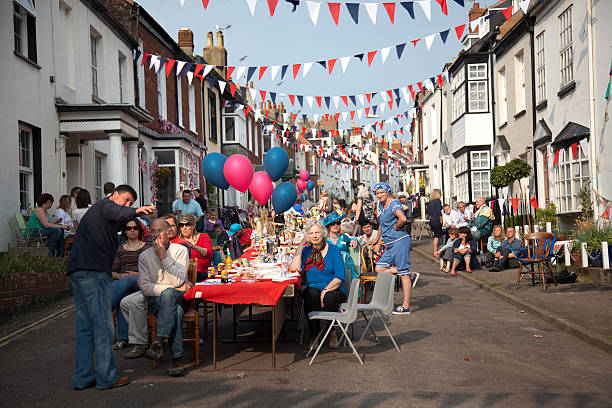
492,64
135,63
594,137
440,146
533,104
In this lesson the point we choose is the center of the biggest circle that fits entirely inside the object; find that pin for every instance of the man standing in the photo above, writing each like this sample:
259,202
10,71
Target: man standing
505,256
89,268
187,206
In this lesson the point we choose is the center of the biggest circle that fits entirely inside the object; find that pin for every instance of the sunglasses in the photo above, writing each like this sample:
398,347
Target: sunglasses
185,224
335,223
134,228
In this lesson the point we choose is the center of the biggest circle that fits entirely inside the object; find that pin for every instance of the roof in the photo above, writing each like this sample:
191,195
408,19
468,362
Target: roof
134,111
542,133
501,144
572,132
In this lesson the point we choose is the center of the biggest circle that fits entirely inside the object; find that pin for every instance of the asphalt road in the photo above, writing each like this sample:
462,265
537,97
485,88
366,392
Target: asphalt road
461,347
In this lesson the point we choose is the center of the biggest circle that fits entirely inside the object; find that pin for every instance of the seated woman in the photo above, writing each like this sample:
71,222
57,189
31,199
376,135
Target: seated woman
323,275
199,243
125,273
465,250
39,225
494,242
62,217
83,202
342,241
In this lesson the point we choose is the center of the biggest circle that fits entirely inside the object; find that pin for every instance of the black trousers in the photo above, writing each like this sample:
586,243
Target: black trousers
312,303
504,262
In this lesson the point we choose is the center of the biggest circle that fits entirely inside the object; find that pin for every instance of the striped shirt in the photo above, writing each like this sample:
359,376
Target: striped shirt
127,261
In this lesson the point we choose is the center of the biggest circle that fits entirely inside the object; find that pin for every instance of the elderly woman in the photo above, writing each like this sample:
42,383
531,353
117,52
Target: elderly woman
125,273
40,226
333,222
322,272
199,244
396,258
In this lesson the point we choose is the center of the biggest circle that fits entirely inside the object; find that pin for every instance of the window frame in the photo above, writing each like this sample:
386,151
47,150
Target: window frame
519,73
233,128
98,174
162,103
122,71
480,160
179,98
486,176
478,92
477,66
540,68
212,115
503,96
19,14
191,107
566,46
94,63
571,192
26,170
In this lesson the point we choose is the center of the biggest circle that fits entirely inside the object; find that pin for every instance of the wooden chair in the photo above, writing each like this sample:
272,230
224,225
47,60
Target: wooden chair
367,277
191,319
539,252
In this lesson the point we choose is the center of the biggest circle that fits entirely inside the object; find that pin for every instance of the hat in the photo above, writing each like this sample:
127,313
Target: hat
332,217
234,228
186,218
401,194
382,186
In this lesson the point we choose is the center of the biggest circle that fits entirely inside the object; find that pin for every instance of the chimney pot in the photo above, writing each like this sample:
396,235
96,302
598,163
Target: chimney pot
251,84
220,39
209,39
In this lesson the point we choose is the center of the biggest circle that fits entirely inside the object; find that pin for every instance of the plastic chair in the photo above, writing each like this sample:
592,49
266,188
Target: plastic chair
381,304
539,251
347,317
24,235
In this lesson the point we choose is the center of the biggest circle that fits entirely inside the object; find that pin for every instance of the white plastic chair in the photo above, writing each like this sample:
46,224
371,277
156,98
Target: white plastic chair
347,317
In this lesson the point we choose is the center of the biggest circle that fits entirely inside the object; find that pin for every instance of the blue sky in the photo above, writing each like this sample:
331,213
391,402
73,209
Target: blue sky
288,38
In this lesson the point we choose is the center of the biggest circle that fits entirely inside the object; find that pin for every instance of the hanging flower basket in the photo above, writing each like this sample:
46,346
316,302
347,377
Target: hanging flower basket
162,175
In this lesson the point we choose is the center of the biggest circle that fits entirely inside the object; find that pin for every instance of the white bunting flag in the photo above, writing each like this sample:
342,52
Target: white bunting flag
359,113
152,60
253,93
426,6
382,107
274,70
384,53
239,107
307,66
561,156
524,5
190,77
429,85
447,76
182,2
501,202
361,99
584,145
239,72
309,99
222,86
371,8
252,4
344,115
316,117
313,10
406,94
207,69
179,66
384,96
344,61
336,99
429,40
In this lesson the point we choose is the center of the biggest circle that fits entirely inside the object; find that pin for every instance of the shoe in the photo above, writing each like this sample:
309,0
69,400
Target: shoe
333,340
494,269
121,381
137,351
120,344
89,385
401,311
176,368
453,274
155,351
468,271
414,278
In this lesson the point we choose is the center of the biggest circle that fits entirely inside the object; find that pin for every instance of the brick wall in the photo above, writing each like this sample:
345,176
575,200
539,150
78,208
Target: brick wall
22,291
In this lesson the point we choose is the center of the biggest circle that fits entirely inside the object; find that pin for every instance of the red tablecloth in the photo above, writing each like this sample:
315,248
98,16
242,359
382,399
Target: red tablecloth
260,292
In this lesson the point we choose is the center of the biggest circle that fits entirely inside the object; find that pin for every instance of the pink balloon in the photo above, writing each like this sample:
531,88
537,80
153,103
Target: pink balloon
261,187
301,184
304,175
238,171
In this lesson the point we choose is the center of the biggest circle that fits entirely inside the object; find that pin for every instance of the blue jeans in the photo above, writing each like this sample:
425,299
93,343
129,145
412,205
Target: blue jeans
169,307
55,243
94,329
121,288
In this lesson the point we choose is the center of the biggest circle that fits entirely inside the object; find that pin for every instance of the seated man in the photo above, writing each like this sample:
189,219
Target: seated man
369,233
482,223
448,220
187,206
163,281
505,255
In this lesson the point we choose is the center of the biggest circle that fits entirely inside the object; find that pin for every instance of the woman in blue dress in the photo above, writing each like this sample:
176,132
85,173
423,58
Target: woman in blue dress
342,241
396,258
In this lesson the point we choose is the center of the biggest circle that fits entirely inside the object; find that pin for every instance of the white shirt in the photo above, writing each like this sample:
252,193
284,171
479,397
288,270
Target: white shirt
66,220
459,221
78,213
448,219
364,240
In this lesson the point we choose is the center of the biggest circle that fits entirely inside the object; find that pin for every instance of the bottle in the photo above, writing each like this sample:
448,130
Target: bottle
224,276
211,272
228,261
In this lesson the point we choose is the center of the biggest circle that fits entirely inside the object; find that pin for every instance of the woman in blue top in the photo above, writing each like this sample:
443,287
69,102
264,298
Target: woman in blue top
322,272
342,241
396,258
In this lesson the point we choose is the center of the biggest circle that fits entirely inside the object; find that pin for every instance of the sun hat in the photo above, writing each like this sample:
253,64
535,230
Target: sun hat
234,228
332,217
382,186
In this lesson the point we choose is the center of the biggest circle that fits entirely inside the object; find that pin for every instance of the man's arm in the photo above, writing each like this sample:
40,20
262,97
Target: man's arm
176,263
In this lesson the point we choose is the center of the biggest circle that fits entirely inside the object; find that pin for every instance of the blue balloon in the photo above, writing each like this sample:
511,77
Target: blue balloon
311,185
283,197
276,162
304,197
212,169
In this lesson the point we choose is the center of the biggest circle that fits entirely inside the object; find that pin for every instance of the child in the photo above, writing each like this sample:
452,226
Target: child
447,249
494,242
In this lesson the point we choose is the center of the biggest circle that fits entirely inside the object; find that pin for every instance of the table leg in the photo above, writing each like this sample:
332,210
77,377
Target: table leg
214,339
274,336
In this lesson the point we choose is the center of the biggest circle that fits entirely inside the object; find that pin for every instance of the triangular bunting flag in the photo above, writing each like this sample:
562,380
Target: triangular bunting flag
145,56
296,69
253,93
369,97
301,101
371,55
272,6
306,69
574,148
247,110
459,30
323,63
240,72
444,35
426,6
250,73
556,159
360,56
292,99
136,54
169,64
391,104
399,48
222,86
230,71
440,80
318,98
330,65
409,6
345,100
361,99
334,9
262,70
420,84
411,89
313,11
429,40
462,4
515,204
232,88
352,115
384,53
443,6
352,98
371,8
327,100
205,4
508,12
336,99
353,9
309,99
263,95
252,4
415,42
390,7
524,5
584,145
274,71
344,61
284,71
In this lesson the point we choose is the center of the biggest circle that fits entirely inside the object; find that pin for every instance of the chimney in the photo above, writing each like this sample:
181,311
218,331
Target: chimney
215,55
220,39
209,39
475,13
185,41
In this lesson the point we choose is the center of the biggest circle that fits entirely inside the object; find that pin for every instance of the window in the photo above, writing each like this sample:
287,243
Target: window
98,177
480,184
462,188
503,99
480,160
24,29
192,116
141,79
179,98
26,188
567,46
478,96
230,131
540,69
461,164
164,156
94,43
519,73
212,115
459,102
570,177
122,88
477,71
162,108
312,167
433,119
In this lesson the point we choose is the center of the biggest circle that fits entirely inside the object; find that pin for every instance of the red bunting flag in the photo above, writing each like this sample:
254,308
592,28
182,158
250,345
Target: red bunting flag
232,88
420,84
247,110
296,69
205,4
145,55
390,104
515,203
169,64
197,71
443,6
369,97
261,71
508,12
330,65
390,93
367,111
303,131
230,71
326,117
352,114
459,30
337,116
534,202
606,213
411,89
272,6
267,113
318,98
440,80
294,117
292,99
345,100
334,9
371,55
414,42
390,7
263,95
575,150
556,160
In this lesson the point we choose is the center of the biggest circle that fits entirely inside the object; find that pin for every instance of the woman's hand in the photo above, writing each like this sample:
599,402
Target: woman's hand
353,244
323,292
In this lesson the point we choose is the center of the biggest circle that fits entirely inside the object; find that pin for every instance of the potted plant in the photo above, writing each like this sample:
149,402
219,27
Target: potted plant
544,215
162,175
585,219
593,237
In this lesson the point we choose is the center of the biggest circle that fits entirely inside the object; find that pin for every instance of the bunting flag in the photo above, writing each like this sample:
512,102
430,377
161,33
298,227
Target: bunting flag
556,159
515,204
507,12
334,9
534,202
574,148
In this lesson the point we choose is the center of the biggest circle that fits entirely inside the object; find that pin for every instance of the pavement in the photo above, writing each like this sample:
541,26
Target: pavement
461,347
